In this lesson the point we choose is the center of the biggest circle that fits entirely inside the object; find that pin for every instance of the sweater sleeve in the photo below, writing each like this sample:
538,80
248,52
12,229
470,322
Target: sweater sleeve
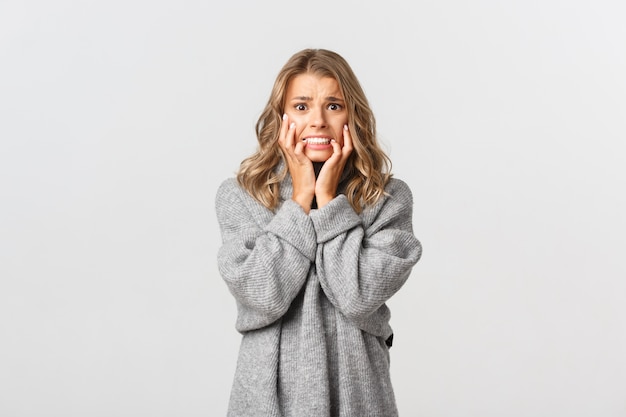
263,262
360,267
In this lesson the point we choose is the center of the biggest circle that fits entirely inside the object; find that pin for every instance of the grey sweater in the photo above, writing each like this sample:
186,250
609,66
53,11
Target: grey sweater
310,293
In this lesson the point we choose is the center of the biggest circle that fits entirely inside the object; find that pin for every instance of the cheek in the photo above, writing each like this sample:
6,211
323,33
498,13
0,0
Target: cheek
297,119
339,124
293,116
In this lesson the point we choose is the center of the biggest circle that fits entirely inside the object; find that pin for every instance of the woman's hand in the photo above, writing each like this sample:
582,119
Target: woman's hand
330,174
300,167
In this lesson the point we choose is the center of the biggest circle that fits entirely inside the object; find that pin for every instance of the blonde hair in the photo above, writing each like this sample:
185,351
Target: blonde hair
368,168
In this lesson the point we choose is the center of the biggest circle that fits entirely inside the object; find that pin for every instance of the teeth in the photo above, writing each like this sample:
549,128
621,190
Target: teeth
318,141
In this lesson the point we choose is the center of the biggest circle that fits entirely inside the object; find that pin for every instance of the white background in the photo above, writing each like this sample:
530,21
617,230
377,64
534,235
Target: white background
119,119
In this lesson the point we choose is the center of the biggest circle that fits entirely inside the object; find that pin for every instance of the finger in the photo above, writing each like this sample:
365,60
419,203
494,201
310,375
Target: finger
283,131
299,146
347,141
336,150
290,135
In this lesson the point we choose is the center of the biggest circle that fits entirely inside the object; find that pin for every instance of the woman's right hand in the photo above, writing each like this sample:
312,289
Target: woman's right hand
300,167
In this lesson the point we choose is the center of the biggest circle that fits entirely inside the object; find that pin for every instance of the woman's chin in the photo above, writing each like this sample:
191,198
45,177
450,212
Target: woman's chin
317,156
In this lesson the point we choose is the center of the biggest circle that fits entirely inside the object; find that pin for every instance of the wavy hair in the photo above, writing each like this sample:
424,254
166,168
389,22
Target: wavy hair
368,168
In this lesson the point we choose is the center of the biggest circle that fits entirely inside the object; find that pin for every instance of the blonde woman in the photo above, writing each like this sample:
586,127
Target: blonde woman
316,237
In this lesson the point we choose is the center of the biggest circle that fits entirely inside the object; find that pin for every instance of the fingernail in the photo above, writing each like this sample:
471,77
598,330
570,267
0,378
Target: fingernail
285,116
292,125
345,127
333,141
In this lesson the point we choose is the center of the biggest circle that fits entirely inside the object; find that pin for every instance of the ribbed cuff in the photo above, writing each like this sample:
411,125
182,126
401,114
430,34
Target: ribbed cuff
334,218
293,225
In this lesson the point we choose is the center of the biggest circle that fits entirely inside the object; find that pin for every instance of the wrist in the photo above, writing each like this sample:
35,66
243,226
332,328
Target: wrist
323,199
304,202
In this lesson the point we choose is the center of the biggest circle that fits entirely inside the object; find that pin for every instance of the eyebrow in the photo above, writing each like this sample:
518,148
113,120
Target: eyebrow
306,98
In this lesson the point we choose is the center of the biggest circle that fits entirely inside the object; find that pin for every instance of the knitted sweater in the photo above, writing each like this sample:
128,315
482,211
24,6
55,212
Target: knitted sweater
310,293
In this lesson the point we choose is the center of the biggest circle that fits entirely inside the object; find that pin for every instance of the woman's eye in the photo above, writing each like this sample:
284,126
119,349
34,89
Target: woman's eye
300,107
334,106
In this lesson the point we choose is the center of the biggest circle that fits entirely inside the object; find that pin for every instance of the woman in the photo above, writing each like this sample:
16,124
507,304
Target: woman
316,236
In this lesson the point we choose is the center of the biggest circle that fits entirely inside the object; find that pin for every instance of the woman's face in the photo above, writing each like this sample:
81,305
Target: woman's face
317,107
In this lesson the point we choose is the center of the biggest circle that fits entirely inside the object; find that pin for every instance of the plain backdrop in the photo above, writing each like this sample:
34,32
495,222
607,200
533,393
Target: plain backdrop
119,119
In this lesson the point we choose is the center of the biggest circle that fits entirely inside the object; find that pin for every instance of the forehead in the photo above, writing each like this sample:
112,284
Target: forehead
312,85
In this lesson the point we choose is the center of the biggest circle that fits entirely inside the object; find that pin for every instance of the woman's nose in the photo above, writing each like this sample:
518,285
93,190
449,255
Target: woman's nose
318,118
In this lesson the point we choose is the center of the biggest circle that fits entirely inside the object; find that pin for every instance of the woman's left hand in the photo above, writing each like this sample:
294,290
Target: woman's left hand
330,174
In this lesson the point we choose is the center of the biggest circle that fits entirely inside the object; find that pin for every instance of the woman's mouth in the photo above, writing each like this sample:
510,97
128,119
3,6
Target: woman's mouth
317,141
